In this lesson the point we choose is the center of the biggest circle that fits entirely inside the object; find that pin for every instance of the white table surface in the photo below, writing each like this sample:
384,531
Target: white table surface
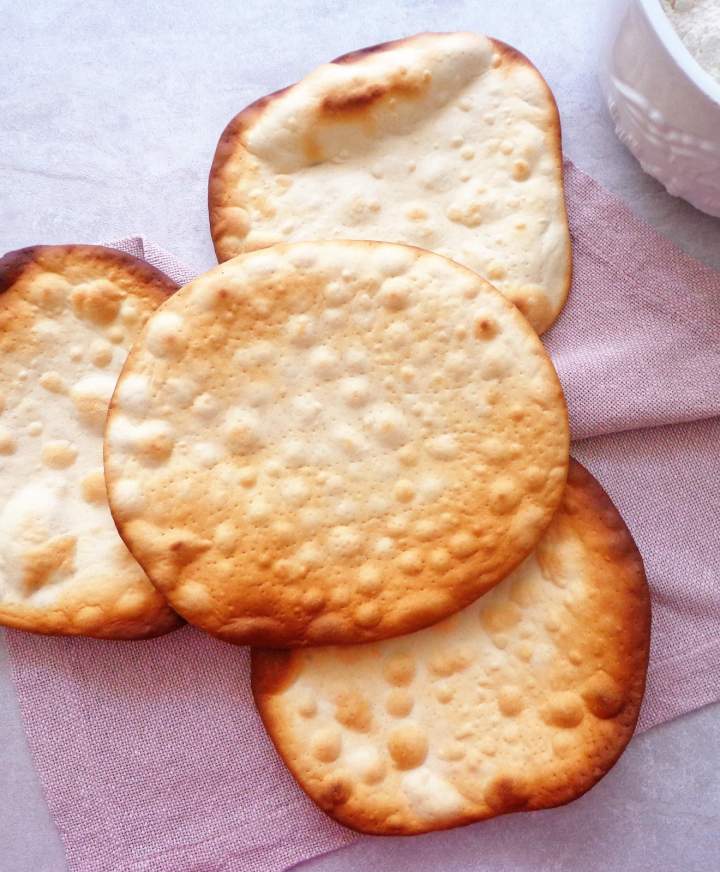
109,117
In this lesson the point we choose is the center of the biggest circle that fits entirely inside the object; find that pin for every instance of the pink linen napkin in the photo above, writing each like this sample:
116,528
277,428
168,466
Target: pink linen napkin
150,753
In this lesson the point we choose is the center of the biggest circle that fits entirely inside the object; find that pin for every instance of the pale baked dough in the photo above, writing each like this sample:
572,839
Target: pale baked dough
522,701
333,442
67,317
447,141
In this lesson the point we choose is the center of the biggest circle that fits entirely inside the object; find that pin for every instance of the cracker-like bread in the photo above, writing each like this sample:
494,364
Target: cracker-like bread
333,442
68,314
520,702
447,141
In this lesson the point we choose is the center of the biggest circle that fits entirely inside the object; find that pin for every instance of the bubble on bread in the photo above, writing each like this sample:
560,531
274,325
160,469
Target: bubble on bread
520,701
326,443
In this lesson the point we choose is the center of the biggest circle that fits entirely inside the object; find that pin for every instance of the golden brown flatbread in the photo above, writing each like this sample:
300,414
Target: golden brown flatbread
68,314
520,702
333,442
447,141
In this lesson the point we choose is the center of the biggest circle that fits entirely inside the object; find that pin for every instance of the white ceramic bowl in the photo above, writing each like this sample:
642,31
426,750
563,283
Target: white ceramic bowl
666,108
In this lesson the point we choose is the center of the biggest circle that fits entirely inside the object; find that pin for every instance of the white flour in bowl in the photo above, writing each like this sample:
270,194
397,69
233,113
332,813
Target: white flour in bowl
698,25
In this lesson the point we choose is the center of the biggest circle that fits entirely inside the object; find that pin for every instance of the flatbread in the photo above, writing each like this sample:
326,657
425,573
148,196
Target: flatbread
447,141
520,702
333,442
68,314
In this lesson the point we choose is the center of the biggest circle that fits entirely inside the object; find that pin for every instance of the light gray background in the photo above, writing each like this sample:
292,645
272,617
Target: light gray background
109,115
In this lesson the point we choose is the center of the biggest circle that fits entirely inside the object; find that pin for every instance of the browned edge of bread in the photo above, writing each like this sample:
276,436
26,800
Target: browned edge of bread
13,264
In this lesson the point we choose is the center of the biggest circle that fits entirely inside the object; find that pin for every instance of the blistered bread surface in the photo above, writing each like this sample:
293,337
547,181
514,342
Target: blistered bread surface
67,317
521,701
333,442
450,142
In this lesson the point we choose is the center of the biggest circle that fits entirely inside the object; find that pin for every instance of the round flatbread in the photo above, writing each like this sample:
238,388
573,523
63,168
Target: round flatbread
447,141
333,442
68,314
522,701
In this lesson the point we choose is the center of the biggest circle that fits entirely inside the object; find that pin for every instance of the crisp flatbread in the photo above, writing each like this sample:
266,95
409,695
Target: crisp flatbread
447,141
520,702
333,442
68,314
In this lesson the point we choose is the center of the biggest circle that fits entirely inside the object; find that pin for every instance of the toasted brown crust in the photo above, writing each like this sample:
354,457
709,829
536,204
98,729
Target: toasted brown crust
607,631
84,608
359,54
15,263
162,621
275,672
232,147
